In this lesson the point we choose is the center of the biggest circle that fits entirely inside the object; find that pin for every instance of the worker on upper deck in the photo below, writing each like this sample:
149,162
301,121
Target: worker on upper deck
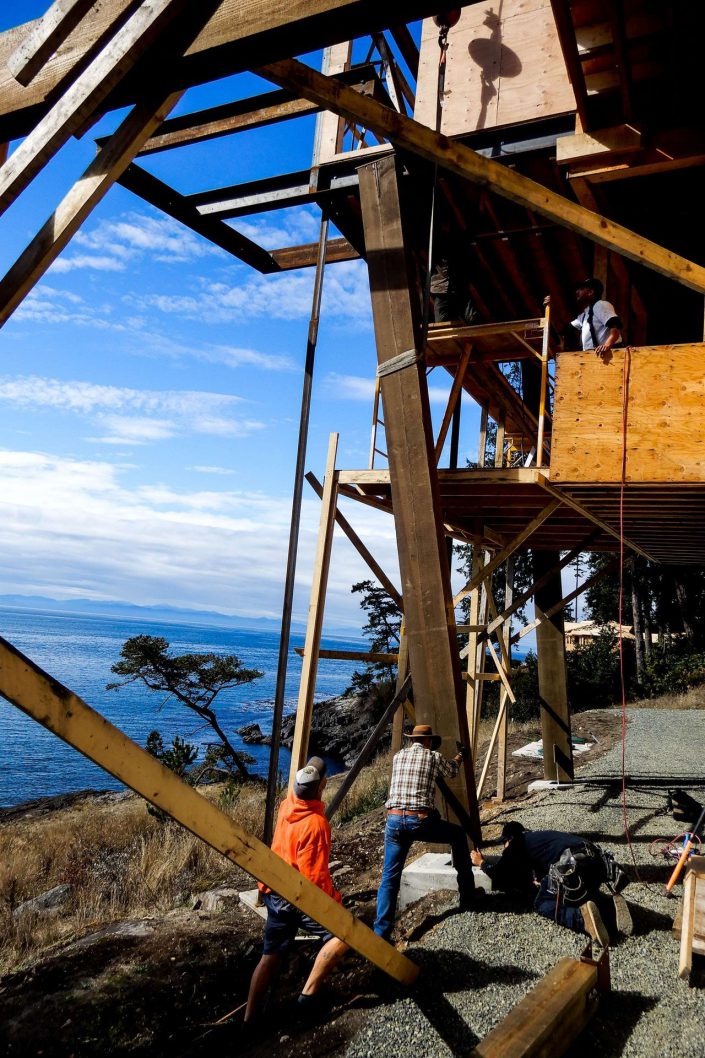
598,323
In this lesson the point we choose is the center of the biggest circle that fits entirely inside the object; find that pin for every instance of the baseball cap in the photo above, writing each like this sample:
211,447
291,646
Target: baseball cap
308,778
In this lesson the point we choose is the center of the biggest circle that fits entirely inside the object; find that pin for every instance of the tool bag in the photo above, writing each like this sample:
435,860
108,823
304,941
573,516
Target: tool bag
580,871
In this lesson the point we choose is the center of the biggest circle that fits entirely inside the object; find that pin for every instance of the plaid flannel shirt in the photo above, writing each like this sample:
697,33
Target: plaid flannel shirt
414,774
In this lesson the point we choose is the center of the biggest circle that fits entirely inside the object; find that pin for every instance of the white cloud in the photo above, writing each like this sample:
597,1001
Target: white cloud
47,304
354,387
115,244
350,387
71,528
132,416
221,471
231,356
286,296
285,227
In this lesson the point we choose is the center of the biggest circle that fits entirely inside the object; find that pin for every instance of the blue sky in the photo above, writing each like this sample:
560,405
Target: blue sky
150,389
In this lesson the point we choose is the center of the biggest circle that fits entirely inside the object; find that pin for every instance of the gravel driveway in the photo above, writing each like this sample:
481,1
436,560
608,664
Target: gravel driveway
479,965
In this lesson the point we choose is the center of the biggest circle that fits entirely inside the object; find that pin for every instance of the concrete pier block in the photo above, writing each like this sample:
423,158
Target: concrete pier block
431,872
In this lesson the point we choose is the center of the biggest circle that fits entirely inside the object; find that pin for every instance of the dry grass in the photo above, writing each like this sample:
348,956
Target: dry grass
123,863
692,699
120,862
369,791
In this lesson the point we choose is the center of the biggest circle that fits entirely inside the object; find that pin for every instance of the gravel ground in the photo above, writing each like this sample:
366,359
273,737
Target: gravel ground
477,966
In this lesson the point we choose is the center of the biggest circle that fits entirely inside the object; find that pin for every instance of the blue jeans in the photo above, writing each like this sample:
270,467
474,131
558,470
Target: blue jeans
400,833
567,915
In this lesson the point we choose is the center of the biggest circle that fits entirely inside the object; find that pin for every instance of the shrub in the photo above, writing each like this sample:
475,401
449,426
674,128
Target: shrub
593,672
672,669
525,684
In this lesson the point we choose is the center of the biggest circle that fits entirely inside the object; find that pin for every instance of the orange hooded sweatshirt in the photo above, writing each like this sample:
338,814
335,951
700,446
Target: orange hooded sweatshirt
302,838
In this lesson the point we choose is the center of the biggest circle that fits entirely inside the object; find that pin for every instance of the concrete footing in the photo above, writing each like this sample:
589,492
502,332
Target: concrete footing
541,785
431,872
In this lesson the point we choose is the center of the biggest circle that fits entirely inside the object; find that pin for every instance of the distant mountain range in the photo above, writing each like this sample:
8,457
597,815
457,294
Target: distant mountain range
157,614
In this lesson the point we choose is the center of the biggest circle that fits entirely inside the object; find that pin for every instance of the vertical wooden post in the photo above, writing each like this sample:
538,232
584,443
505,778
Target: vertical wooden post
402,670
543,397
472,684
499,442
314,627
429,614
553,687
480,656
504,728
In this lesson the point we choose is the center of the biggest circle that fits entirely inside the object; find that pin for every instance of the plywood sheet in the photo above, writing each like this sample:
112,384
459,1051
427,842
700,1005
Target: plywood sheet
663,442
505,66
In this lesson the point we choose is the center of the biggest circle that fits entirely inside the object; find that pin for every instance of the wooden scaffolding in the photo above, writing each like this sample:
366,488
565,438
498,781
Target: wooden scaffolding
554,128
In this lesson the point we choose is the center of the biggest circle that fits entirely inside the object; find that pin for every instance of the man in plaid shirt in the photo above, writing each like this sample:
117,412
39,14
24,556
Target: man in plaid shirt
412,816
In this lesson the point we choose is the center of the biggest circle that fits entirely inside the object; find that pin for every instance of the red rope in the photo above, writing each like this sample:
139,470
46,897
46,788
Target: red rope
625,409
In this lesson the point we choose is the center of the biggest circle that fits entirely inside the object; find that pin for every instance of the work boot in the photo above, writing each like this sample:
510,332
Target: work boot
469,900
593,924
622,915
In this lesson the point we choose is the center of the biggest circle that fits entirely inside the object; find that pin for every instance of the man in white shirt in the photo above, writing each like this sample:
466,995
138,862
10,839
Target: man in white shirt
598,323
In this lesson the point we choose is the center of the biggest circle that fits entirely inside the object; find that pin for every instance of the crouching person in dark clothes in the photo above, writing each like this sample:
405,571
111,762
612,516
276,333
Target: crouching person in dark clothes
411,816
563,873
302,838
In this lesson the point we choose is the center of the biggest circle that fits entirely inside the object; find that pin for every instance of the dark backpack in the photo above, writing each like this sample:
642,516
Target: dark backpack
580,871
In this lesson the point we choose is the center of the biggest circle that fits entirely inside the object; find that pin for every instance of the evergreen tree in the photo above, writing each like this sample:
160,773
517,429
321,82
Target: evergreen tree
383,630
195,680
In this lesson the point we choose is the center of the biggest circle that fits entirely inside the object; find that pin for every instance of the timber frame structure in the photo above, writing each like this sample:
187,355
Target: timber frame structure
551,153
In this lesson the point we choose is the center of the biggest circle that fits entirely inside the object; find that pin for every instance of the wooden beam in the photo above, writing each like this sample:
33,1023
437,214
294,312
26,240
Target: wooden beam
255,112
580,590
314,626
402,672
549,1018
353,655
48,33
290,257
621,53
240,34
553,677
685,961
428,606
517,604
357,543
169,201
83,197
59,710
87,92
455,392
571,57
457,158
503,743
618,139
507,550
370,746
407,46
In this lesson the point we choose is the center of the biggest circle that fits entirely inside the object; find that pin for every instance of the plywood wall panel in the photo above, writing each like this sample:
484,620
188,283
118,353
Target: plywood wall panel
664,420
505,67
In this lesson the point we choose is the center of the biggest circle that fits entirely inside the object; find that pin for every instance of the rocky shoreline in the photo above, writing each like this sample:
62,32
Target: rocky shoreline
339,728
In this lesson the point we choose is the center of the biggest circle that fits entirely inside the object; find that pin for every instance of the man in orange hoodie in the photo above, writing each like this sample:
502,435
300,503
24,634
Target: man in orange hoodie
302,838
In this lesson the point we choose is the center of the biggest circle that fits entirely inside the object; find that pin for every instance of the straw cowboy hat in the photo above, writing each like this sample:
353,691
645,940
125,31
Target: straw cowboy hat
422,731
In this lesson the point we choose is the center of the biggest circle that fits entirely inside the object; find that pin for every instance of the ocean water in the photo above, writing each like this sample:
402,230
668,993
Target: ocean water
78,651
